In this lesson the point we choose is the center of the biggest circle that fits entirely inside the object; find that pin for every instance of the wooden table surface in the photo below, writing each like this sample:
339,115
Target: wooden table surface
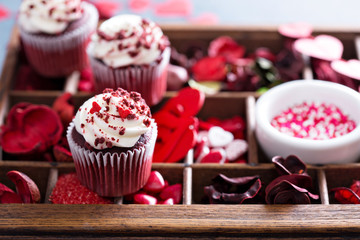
85,221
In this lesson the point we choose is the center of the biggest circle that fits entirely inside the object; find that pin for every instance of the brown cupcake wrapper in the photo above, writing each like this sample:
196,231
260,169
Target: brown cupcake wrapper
116,174
60,55
148,80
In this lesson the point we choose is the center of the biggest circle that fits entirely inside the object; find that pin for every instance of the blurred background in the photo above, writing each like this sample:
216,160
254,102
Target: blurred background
333,14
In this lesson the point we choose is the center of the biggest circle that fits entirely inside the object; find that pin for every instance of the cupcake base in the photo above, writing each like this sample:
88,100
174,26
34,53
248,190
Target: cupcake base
60,55
113,174
148,80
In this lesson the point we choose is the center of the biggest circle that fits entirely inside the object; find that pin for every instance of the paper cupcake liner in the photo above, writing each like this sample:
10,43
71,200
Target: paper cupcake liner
148,80
60,55
116,174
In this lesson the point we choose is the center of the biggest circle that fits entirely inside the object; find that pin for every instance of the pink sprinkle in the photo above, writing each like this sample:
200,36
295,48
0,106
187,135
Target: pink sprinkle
313,121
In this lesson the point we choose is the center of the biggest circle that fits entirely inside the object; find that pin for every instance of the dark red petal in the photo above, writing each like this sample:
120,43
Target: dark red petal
227,47
64,107
210,69
345,195
245,188
291,197
290,165
8,196
25,187
355,186
297,182
62,154
31,129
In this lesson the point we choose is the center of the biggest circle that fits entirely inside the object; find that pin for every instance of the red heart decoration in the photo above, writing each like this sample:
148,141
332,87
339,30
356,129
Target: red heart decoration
107,9
350,68
4,13
205,19
323,47
139,5
174,8
295,30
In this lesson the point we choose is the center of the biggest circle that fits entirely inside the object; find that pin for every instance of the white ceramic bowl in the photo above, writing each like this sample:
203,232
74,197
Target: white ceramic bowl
343,149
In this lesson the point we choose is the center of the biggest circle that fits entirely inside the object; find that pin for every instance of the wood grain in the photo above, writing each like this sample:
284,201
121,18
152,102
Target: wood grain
181,220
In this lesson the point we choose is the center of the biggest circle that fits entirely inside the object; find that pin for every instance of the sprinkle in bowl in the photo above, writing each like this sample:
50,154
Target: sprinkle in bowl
327,147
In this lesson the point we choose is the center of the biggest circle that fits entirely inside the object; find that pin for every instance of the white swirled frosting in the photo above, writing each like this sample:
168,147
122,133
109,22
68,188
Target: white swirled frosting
48,16
113,118
128,39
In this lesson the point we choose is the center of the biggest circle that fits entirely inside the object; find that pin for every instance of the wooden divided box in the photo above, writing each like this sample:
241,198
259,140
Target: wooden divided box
193,218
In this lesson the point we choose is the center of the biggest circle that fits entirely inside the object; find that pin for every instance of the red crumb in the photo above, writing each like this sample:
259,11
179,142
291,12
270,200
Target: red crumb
68,190
313,121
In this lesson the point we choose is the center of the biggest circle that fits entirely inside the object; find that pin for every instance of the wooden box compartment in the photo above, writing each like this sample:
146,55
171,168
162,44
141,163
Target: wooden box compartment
202,175
340,176
191,218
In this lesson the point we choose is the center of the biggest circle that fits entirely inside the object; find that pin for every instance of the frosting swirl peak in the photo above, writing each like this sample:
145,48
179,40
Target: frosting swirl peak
128,39
113,118
48,16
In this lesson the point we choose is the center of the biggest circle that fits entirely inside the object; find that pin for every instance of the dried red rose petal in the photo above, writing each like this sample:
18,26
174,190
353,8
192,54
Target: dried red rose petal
30,129
227,47
295,184
348,195
290,165
25,187
345,195
8,196
210,69
289,64
263,52
64,107
68,190
62,154
225,190
241,76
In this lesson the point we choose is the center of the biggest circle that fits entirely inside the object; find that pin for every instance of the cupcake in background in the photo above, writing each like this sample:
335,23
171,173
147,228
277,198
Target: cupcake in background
112,139
55,34
130,52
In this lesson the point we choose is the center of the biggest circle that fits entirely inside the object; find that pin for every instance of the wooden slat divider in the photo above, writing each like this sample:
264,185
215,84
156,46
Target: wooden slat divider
187,186
323,189
52,179
251,124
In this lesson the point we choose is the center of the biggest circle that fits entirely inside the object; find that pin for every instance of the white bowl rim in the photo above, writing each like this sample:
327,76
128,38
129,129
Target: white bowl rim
307,143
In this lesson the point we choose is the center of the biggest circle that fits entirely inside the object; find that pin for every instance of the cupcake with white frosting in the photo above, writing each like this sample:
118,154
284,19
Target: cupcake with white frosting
130,52
112,139
55,34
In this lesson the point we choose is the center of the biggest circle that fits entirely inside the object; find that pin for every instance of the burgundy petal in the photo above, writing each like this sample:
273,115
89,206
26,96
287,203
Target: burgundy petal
291,197
232,190
297,182
290,165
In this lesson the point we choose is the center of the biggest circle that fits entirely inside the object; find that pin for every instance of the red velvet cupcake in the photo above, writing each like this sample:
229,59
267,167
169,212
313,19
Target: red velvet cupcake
112,139
55,34
132,53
